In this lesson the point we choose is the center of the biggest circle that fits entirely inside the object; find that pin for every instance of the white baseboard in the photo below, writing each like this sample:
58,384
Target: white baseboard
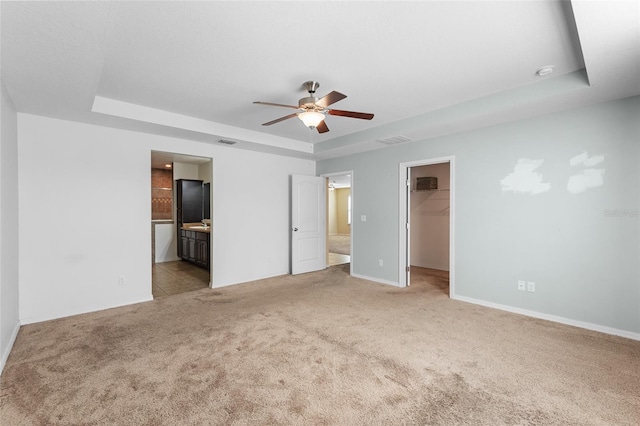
7,350
167,259
377,280
72,312
271,275
438,267
553,318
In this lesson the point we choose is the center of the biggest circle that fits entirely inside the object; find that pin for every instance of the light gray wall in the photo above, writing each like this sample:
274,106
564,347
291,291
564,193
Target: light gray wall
525,220
9,318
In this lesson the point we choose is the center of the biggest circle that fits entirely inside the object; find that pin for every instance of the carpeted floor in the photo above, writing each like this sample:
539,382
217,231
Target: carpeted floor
340,244
320,348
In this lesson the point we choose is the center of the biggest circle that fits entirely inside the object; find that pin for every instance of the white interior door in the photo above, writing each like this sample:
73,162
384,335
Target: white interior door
308,222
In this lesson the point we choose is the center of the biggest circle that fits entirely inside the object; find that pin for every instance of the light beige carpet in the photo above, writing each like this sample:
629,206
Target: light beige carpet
340,244
321,348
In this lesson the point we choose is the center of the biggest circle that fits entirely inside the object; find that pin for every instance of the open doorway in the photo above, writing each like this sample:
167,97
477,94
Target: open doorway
339,207
429,209
427,223
172,272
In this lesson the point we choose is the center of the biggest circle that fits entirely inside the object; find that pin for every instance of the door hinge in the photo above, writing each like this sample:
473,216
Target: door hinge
407,225
408,183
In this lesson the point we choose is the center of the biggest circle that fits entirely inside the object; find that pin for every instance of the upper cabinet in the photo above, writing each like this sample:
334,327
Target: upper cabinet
206,195
190,201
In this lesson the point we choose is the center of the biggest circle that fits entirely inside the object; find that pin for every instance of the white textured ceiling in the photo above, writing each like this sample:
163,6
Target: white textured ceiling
193,69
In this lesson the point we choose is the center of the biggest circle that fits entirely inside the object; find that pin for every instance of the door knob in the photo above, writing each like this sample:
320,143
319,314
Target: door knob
295,229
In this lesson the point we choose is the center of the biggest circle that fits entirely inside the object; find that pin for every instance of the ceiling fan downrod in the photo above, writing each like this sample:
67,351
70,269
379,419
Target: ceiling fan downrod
311,86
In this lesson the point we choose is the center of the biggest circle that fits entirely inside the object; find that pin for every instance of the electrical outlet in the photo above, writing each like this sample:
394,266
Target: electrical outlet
521,285
380,263
531,286
363,218
121,281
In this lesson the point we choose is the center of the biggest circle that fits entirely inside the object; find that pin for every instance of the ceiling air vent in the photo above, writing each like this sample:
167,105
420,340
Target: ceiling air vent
394,140
227,142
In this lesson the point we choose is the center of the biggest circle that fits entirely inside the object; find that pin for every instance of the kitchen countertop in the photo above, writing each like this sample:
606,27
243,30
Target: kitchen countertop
197,227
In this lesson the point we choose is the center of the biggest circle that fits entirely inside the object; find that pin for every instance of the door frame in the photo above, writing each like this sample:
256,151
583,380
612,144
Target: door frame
404,224
211,204
353,230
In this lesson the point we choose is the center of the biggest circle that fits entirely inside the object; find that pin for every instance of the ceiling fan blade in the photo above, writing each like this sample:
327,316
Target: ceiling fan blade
351,114
277,120
330,98
272,104
322,127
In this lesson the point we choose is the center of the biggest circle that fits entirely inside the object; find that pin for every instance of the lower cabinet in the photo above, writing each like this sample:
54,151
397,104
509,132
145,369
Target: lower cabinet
195,247
184,244
202,253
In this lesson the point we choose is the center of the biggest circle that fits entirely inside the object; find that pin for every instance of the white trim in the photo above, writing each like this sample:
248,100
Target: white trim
146,114
277,274
553,318
350,173
438,267
402,233
175,220
72,312
7,350
377,280
402,227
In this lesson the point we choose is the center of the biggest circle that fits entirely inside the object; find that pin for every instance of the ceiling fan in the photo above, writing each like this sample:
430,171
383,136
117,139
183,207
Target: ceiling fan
312,110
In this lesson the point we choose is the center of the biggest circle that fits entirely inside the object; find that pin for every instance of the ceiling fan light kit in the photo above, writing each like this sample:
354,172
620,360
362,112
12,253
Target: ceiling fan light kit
311,119
312,110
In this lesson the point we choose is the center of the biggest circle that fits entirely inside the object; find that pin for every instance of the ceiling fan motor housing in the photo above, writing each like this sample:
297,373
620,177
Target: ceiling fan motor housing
309,103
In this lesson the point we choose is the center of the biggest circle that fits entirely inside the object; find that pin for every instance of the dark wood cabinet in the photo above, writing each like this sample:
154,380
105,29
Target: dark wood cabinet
183,247
189,199
192,250
202,253
206,200
195,247
189,202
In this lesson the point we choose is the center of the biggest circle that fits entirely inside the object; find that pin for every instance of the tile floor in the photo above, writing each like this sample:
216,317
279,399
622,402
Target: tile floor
169,278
